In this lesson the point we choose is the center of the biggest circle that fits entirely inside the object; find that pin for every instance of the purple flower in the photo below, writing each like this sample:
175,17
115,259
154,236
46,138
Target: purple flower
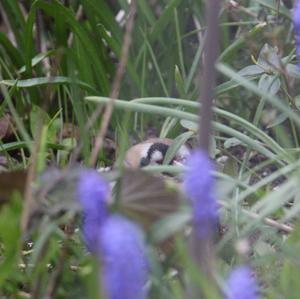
118,242
296,20
92,193
199,186
241,284
124,265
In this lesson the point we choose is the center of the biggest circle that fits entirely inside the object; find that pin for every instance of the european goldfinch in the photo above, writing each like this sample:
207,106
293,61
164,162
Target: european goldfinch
152,152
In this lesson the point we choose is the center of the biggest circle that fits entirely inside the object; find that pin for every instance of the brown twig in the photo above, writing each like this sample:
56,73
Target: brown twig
271,222
6,26
116,85
93,118
29,200
36,288
202,250
211,50
54,280
79,15
38,31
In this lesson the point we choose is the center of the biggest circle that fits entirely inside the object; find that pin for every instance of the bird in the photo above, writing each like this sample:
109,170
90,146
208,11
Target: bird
153,151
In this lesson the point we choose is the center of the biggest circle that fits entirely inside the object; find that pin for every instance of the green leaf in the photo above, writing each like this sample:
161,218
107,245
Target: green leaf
276,8
37,59
170,225
16,20
232,142
289,276
226,70
164,19
190,125
179,82
230,51
277,121
57,8
251,70
29,44
222,113
293,70
36,115
138,107
175,146
46,80
231,167
269,84
11,51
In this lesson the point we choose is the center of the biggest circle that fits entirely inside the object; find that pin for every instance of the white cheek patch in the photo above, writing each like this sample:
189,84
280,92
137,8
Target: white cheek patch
183,152
156,156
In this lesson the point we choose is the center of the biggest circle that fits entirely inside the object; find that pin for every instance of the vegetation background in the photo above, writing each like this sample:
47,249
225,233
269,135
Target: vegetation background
58,61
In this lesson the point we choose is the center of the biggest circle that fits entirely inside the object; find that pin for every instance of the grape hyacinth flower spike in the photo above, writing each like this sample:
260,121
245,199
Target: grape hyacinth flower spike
124,264
199,186
296,21
241,284
117,242
92,193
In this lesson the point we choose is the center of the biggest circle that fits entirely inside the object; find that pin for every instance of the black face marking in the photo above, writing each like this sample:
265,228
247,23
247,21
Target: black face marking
157,146
160,147
144,162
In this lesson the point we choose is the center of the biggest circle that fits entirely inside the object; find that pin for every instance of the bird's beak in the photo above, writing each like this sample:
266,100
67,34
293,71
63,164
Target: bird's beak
177,163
